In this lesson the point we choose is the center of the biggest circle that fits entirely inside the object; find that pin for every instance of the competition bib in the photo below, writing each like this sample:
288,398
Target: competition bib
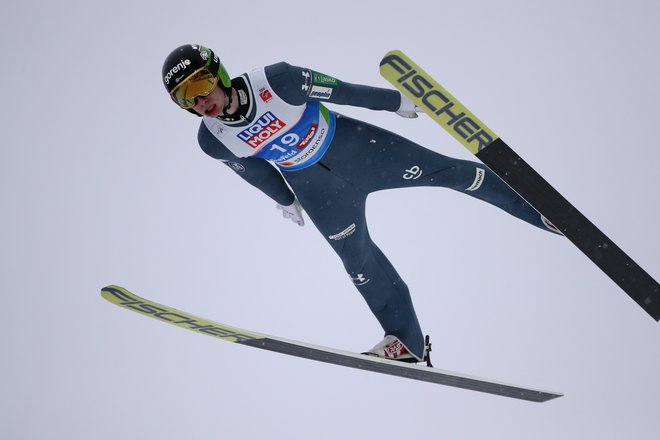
291,136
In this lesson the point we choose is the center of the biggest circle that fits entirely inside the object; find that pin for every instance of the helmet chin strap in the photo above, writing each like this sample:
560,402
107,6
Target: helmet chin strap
225,109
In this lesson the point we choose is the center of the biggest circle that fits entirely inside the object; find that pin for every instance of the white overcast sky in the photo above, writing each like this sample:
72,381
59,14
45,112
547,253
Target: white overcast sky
102,182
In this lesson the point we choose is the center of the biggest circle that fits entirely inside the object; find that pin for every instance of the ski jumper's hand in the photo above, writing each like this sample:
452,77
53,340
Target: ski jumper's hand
293,211
408,109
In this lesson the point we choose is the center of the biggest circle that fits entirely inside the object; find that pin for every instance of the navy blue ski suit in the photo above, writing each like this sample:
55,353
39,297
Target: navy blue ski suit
362,159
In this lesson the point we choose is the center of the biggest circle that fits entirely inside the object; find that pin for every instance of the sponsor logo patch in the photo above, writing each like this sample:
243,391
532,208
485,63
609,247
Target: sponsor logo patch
304,155
218,130
181,65
413,173
360,280
343,234
307,77
322,79
395,349
236,166
478,180
308,137
265,95
264,128
320,92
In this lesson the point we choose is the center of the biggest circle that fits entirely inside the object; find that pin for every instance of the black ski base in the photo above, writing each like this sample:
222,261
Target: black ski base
634,280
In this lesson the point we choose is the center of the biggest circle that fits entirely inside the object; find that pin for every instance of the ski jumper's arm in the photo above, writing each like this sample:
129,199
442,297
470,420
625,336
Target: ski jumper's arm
257,172
297,85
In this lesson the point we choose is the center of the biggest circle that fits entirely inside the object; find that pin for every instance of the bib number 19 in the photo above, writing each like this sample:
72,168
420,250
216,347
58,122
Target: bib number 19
289,139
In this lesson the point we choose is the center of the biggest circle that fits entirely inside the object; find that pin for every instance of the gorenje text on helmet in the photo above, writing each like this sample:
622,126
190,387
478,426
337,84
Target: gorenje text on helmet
179,66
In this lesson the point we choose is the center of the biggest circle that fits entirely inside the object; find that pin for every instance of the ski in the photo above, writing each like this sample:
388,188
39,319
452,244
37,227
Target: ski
474,135
122,297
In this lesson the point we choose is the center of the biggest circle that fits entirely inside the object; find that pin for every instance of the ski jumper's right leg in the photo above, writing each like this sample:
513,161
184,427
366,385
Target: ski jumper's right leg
337,209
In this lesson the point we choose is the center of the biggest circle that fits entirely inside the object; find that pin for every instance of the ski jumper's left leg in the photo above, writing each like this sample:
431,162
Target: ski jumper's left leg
377,159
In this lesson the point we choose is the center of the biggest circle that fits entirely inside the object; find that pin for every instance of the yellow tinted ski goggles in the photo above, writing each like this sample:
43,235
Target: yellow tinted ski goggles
200,83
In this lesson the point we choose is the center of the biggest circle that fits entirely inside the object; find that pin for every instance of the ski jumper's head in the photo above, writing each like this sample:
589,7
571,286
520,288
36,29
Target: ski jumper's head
192,75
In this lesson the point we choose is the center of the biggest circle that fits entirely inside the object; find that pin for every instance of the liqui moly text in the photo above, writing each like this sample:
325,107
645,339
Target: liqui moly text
264,128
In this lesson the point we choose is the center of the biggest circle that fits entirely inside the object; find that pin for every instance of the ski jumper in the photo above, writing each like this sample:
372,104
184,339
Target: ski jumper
332,163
